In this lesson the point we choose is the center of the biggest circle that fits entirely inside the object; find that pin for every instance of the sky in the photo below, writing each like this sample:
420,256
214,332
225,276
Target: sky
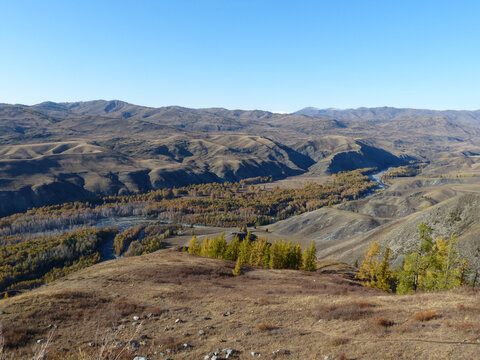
243,54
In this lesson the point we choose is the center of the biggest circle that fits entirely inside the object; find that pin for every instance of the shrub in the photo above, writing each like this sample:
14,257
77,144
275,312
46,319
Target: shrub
425,315
384,322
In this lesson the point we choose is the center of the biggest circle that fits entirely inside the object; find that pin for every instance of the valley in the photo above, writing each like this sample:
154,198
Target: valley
88,190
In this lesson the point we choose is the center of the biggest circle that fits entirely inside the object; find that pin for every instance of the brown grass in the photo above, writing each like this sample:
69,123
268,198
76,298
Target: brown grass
384,322
264,326
425,316
349,311
337,341
286,300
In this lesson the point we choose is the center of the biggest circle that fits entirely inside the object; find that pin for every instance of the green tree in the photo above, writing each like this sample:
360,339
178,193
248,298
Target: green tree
369,266
194,246
309,258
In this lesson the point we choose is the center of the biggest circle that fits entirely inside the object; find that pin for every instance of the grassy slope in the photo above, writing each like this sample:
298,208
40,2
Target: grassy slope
272,309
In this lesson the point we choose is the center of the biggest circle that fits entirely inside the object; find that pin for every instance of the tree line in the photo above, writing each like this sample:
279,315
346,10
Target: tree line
255,252
213,204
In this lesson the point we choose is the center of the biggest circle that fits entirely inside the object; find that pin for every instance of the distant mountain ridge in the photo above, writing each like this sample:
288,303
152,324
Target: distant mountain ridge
391,113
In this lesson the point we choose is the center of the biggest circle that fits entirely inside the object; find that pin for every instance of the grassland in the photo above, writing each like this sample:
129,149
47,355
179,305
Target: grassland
312,315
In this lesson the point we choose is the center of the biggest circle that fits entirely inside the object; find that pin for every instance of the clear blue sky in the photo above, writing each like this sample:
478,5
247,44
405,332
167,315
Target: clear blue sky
249,54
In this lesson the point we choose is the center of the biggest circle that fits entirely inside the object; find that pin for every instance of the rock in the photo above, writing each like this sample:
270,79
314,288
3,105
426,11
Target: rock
210,327
326,357
41,341
52,326
255,354
201,333
136,318
143,336
91,344
140,358
228,313
151,315
143,343
228,353
133,344
116,296
206,357
186,346
207,318
179,321
135,323
281,352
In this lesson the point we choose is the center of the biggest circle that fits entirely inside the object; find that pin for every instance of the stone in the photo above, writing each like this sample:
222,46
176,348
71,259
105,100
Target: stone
201,332
228,313
143,336
136,318
91,344
133,343
255,354
140,358
135,323
143,343
281,352
186,346
116,296
179,321
41,341
228,353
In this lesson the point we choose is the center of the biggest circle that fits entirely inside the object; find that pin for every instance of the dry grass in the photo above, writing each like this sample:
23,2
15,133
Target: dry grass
286,305
265,326
384,322
425,316
337,341
348,311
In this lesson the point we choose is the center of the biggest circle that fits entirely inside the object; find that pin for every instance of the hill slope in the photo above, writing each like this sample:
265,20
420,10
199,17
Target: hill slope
275,313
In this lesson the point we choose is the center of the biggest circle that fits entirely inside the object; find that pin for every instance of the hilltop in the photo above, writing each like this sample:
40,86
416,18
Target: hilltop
295,314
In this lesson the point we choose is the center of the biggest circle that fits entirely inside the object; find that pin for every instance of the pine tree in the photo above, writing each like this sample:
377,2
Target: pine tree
205,249
194,246
369,267
218,247
233,249
309,258
275,261
384,274
244,252
238,268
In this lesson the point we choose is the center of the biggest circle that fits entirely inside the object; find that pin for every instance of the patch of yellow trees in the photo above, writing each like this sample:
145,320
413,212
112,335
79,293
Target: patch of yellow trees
434,265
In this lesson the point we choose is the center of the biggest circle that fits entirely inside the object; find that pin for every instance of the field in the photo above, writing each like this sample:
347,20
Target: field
275,313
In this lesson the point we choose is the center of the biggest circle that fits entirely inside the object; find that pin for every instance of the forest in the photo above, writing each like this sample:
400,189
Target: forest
48,242
212,204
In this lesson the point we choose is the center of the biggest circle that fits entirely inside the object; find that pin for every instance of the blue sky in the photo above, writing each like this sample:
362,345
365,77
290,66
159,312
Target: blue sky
272,55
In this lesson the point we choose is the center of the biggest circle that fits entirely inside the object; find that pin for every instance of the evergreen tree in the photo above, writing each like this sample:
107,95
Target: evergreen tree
233,249
369,267
238,268
194,246
384,274
244,252
309,258
205,249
